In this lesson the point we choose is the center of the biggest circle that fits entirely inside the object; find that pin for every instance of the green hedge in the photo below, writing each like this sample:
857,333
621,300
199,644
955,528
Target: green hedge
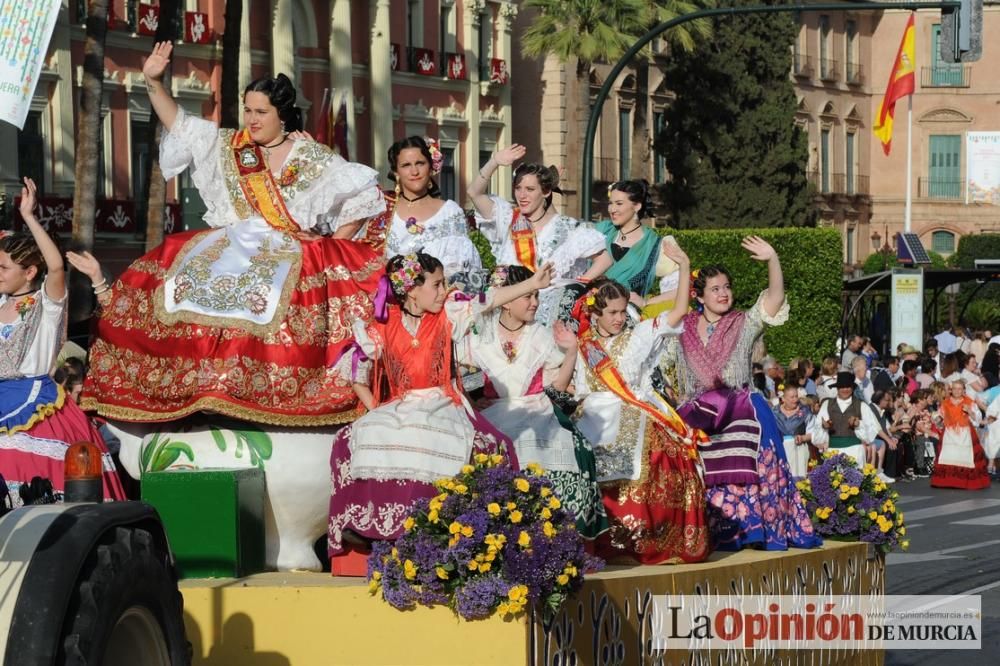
970,248
811,260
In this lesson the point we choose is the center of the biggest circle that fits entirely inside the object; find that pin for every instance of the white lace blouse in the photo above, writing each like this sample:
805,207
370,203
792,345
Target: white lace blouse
444,235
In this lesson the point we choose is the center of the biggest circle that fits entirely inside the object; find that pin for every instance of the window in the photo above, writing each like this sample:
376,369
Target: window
824,46
824,157
850,246
446,179
943,74
31,150
413,29
624,143
659,161
943,242
485,44
945,170
851,51
139,133
101,166
849,145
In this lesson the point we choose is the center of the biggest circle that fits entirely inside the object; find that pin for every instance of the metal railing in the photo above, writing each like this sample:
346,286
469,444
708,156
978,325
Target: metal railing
829,69
839,183
802,65
945,75
937,188
855,75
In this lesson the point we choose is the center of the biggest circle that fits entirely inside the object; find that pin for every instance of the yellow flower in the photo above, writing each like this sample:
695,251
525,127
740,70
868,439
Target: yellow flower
372,587
441,573
515,516
554,503
376,575
510,506
562,579
473,565
522,485
461,489
591,300
503,608
485,566
468,469
496,458
493,508
409,570
902,531
517,592
455,527
872,515
904,544
467,530
394,553
855,490
546,492
844,487
548,529
844,496
481,458
408,523
535,469
524,539
432,515
570,570
545,513
850,509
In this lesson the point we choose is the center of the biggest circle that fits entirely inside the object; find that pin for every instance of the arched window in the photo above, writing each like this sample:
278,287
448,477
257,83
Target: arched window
943,242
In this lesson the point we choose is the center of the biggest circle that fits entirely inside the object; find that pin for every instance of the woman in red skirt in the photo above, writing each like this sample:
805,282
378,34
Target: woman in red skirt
961,461
246,318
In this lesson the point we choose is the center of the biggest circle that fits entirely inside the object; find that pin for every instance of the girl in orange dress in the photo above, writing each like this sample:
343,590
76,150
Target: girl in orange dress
961,461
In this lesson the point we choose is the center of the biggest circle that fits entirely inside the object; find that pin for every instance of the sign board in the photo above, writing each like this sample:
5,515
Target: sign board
26,27
982,167
907,308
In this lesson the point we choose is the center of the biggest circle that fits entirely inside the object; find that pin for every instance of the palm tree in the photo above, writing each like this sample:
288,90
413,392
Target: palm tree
230,94
583,32
167,30
89,125
683,37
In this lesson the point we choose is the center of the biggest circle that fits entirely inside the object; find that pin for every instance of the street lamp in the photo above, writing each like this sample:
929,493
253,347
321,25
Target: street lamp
876,240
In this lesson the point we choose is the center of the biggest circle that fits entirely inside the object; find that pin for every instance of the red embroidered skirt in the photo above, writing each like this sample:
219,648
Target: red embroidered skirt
143,368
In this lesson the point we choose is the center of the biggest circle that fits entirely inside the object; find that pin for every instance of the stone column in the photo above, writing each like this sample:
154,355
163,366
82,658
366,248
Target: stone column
341,62
246,72
63,126
471,18
505,19
283,40
381,85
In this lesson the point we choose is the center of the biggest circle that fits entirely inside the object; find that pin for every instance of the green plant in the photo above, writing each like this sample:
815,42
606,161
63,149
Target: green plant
876,262
811,261
483,246
983,315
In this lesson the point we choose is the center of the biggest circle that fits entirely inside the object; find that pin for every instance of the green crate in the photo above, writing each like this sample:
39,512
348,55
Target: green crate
214,519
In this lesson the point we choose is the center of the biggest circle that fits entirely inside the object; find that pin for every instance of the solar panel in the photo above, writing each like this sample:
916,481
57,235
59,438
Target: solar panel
910,250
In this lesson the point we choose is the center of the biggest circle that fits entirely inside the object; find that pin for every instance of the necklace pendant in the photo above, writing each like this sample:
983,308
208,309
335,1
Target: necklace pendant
414,343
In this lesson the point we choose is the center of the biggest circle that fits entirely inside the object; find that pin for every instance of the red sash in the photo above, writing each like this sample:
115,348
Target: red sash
258,184
523,236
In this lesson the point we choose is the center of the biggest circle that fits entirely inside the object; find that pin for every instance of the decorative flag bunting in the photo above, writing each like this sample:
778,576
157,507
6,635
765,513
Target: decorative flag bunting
29,25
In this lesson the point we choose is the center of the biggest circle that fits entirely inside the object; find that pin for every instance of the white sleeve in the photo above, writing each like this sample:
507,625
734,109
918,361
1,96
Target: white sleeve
580,388
820,435
497,227
582,242
463,311
645,342
869,427
192,142
346,192
757,313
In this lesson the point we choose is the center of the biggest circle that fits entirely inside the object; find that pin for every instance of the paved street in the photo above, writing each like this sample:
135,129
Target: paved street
954,548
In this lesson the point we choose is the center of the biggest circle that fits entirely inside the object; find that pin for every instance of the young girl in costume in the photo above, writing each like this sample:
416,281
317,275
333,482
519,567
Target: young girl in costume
39,421
751,496
961,461
535,232
521,360
419,426
647,462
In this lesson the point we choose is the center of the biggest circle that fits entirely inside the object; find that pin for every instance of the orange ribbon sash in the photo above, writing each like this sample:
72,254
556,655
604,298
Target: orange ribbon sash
258,184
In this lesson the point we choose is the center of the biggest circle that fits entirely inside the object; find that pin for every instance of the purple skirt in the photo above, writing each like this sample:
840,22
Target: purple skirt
375,509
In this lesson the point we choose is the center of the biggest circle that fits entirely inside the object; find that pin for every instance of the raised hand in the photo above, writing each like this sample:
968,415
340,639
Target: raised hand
86,264
509,155
301,135
564,336
543,276
758,248
29,199
157,61
673,251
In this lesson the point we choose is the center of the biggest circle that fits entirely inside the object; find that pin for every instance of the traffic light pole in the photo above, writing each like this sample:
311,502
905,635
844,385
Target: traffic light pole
587,172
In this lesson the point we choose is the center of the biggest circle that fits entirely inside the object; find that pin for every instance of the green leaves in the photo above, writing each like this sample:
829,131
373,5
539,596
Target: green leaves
160,453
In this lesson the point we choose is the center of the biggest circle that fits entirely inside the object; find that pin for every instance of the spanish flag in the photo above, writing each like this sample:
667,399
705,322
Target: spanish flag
901,84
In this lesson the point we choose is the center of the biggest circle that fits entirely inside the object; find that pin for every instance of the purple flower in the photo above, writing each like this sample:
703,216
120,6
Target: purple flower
477,598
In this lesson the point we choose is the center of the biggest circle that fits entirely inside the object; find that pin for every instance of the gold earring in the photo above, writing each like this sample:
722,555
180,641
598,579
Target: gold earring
399,190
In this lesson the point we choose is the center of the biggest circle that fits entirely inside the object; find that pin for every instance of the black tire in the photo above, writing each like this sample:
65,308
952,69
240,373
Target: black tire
126,608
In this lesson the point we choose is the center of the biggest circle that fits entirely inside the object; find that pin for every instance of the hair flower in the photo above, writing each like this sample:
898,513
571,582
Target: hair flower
437,157
405,277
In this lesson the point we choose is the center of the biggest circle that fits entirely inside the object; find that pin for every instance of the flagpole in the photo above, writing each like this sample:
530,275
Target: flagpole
908,211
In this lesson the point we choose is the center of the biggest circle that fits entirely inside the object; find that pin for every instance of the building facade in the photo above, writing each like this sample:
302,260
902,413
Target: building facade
436,68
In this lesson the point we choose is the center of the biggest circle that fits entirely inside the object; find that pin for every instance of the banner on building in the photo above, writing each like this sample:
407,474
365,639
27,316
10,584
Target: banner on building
30,22
394,56
423,62
149,19
196,28
498,71
982,168
456,66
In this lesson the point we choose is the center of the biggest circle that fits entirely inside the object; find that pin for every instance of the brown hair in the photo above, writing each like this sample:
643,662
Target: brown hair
604,290
24,252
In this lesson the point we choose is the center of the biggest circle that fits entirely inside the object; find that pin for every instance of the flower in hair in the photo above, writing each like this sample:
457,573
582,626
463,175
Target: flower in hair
499,276
590,298
405,277
437,157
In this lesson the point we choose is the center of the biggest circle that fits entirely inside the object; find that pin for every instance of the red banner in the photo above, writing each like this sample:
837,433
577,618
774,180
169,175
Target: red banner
456,66
111,216
394,56
423,62
196,28
498,71
149,19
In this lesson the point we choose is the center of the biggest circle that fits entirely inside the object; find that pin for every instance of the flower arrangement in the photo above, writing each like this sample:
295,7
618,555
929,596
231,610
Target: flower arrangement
437,157
492,540
405,278
845,501
290,173
24,306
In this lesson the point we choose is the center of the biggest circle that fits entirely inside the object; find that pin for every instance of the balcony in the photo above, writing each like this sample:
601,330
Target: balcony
945,76
855,76
802,66
829,69
938,188
838,183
